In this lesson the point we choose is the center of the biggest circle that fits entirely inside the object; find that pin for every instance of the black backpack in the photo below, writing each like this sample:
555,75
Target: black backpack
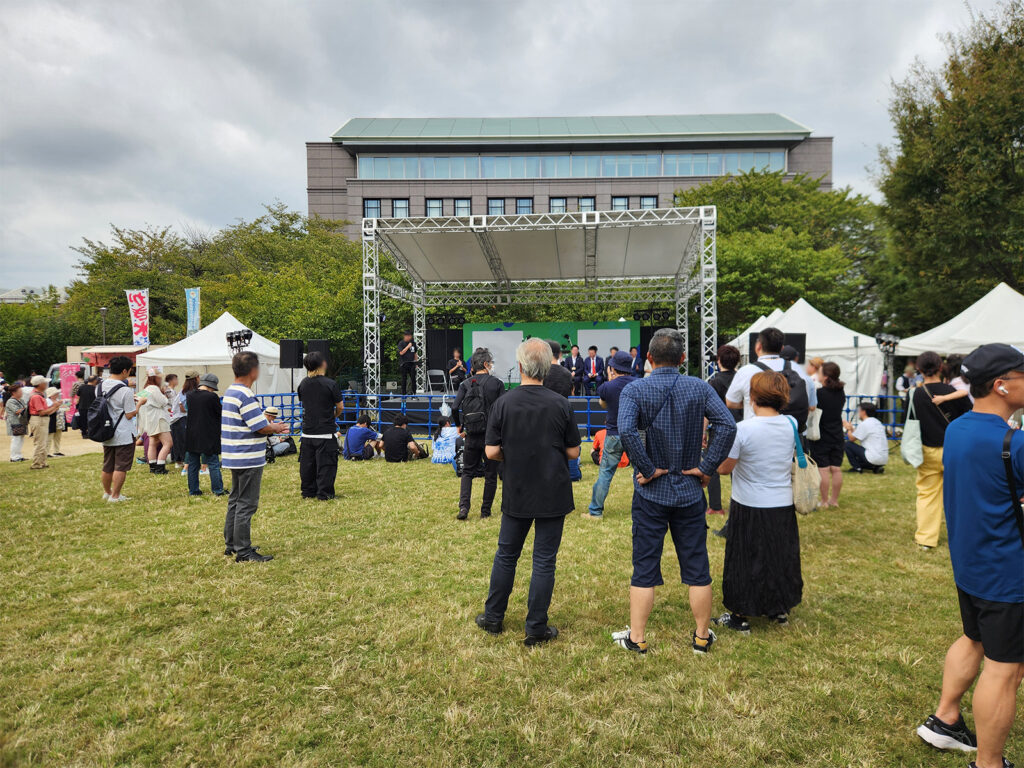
474,409
101,427
798,405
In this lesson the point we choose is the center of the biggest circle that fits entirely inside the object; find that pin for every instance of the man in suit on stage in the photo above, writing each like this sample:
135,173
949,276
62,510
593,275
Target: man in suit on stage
593,372
638,363
574,364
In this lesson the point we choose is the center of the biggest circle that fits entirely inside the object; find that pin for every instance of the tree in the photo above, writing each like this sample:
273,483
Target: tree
33,335
954,181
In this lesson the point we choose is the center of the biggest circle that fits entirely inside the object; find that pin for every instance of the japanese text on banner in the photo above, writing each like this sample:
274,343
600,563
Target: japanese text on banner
138,312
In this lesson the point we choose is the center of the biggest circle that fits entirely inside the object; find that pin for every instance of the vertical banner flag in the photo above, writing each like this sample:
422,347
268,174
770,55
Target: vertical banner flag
138,312
192,305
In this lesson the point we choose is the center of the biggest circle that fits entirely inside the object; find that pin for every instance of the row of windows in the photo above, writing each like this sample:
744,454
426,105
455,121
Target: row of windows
373,208
569,166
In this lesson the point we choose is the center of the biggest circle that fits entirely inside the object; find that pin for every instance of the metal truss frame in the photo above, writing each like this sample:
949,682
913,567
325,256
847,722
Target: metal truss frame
696,276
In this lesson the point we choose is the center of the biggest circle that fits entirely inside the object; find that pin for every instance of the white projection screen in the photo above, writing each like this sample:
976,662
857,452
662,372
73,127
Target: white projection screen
603,339
502,344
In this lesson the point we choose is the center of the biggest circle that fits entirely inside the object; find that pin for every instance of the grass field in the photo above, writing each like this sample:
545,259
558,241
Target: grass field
129,639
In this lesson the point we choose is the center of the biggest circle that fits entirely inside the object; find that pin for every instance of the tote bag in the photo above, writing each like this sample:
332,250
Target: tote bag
806,480
911,447
813,431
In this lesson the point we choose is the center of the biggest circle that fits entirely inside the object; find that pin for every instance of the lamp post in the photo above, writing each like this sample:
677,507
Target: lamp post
103,316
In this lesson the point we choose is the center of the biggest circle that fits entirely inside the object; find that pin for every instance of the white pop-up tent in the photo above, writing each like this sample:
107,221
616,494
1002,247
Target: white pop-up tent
207,351
998,316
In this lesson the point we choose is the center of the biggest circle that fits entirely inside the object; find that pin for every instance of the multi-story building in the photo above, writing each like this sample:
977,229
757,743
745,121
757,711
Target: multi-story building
394,167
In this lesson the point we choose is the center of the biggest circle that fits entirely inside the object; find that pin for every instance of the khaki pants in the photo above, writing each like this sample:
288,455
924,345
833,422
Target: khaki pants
55,440
929,498
39,427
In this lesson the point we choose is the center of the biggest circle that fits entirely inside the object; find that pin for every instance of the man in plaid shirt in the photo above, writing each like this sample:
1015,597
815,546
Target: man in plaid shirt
670,476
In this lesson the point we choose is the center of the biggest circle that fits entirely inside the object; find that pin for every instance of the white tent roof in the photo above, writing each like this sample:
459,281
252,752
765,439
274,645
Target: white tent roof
207,348
742,343
998,316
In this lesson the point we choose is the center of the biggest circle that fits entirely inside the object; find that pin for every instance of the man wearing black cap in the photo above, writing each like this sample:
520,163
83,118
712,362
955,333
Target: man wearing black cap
983,463
407,359
620,374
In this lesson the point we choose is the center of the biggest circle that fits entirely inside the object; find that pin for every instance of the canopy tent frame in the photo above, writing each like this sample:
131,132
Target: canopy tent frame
690,230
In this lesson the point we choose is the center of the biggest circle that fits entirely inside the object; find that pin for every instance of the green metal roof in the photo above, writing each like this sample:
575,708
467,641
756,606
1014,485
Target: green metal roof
373,130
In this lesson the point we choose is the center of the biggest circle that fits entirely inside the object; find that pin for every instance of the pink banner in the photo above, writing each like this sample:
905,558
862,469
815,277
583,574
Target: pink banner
138,309
67,380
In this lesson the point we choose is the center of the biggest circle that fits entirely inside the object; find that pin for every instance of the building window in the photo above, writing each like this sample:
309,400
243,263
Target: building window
495,206
400,208
620,203
649,201
556,205
433,207
463,207
524,205
587,204
371,208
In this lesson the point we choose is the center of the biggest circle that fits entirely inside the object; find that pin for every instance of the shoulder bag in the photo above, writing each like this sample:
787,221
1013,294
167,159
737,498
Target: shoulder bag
1008,466
911,447
806,480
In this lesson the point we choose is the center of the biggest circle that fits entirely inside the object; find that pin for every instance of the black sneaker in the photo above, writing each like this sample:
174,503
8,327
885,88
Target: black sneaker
491,627
253,557
781,619
463,514
733,622
702,645
549,634
484,515
623,640
878,470
1006,764
943,736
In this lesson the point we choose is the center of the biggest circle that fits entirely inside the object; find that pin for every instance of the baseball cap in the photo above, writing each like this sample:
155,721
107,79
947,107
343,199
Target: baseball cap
621,362
991,360
37,380
209,380
191,374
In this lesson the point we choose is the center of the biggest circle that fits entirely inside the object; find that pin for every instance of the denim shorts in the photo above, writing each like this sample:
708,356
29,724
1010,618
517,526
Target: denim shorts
688,526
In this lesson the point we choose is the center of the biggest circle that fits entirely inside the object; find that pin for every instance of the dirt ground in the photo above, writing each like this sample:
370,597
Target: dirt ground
72,444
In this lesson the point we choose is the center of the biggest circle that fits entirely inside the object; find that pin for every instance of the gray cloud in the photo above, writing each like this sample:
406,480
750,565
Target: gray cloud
135,113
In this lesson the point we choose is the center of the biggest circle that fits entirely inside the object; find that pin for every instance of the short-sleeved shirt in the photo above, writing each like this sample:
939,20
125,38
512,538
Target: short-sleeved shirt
356,438
934,418
984,542
203,428
319,396
534,426
241,418
558,380
119,402
36,404
739,389
764,448
396,444
871,434
410,356
609,392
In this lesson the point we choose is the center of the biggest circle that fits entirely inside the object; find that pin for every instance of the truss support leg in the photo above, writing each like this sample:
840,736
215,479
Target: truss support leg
590,258
419,335
371,311
708,287
683,322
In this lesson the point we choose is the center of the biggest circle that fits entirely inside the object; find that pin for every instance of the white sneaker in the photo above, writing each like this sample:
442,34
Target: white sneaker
184,471
106,496
204,471
115,499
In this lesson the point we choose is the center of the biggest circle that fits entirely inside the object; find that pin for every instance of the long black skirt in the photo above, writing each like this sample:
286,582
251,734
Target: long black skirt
762,561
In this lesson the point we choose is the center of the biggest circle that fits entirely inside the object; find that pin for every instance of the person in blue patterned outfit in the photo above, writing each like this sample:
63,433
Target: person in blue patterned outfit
668,485
243,431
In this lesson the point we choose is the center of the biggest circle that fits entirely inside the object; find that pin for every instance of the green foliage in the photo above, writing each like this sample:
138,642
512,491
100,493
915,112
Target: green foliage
781,240
954,181
33,335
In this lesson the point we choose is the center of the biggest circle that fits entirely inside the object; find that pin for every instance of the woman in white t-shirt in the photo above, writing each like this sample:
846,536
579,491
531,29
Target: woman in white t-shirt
761,575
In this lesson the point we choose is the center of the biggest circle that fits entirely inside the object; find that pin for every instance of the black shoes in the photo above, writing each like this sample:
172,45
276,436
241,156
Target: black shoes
484,515
253,557
491,627
702,645
230,552
463,514
550,633
878,470
944,736
734,622
158,469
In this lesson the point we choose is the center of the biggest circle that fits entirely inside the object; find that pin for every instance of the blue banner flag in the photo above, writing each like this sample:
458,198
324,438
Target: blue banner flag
192,305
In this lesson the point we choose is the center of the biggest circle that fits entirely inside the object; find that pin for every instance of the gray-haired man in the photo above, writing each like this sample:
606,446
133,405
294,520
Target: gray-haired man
532,430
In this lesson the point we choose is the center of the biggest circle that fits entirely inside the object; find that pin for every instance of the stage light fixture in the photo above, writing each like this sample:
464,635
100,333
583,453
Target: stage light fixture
887,342
238,340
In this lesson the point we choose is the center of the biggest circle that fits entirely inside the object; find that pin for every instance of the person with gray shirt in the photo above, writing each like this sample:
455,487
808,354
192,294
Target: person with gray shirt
119,450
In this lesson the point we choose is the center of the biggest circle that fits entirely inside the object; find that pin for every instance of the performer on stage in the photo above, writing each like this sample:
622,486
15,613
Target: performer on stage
407,359
574,364
593,372
456,368
638,363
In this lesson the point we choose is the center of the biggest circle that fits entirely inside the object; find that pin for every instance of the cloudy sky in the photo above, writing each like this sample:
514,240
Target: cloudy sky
171,113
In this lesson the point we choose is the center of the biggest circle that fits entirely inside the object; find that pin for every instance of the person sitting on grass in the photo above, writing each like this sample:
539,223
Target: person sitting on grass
398,442
278,445
362,442
984,482
872,451
761,575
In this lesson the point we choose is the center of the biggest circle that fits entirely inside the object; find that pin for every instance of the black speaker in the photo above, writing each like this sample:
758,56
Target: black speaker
322,346
291,353
796,340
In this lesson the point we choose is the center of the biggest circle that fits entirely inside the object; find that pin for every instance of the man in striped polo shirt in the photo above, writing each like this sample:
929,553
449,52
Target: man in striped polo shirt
243,430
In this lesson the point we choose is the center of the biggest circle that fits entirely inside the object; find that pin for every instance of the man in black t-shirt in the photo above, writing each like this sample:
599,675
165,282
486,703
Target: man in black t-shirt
318,451
202,435
728,359
407,358
398,442
533,432
456,368
558,379
482,390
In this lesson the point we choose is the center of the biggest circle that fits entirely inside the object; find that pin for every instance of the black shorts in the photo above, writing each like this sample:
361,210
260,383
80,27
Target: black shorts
689,529
999,627
826,454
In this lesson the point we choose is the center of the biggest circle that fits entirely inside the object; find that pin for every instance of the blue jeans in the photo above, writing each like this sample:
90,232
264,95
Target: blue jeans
194,460
610,458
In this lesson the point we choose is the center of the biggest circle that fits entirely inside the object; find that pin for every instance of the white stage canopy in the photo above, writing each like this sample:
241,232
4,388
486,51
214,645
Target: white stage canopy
996,317
207,351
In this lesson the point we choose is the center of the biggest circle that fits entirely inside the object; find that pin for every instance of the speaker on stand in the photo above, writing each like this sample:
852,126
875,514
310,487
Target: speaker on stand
291,356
